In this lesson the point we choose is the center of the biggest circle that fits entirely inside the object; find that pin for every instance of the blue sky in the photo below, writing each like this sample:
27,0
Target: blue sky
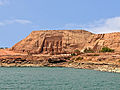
19,17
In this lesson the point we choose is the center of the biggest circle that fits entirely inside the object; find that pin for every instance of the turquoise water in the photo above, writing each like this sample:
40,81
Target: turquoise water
30,78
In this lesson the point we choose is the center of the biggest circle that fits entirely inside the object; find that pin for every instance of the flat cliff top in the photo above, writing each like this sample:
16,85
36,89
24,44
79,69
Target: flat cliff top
74,31
59,30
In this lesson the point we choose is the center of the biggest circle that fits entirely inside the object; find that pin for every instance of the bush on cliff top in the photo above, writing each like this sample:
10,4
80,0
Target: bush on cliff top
106,49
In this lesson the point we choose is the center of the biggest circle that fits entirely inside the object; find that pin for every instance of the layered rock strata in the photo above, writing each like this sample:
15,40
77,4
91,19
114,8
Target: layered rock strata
66,41
53,41
98,41
54,48
109,62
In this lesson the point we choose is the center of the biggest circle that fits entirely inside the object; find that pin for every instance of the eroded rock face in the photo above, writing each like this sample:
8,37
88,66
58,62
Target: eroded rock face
53,41
62,41
52,45
98,41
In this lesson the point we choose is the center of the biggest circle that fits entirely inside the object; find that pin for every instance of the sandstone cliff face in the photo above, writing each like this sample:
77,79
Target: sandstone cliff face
61,41
98,41
53,41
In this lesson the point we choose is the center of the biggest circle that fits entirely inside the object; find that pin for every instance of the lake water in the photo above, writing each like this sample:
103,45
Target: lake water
54,78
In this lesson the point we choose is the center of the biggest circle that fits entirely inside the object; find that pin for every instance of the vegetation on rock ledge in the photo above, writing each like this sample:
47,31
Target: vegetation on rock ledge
106,49
88,50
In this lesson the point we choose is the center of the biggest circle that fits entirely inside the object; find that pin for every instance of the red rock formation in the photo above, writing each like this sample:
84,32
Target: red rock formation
53,41
61,41
7,52
98,41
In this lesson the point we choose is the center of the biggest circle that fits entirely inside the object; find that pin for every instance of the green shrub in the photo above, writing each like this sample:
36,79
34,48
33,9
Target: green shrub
96,55
1,48
119,61
73,54
70,62
88,50
77,51
106,49
79,58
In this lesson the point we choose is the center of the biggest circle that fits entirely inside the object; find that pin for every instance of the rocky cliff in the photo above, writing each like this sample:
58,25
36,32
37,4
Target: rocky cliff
53,41
98,41
40,49
62,41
